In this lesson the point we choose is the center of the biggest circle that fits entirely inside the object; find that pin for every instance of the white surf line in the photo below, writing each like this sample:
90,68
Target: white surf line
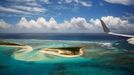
131,40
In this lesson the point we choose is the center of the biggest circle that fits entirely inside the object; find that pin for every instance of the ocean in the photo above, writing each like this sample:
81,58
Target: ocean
103,55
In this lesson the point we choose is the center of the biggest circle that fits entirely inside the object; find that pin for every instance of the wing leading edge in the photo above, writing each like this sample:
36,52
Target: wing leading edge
106,30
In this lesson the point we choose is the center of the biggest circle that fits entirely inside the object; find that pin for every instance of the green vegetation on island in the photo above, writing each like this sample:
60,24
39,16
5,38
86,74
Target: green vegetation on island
65,51
10,43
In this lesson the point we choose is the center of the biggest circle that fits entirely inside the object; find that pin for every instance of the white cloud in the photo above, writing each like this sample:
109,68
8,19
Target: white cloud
4,25
32,4
23,7
124,2
23,23
129,16
41,21
21,0
75,24
11,10
46,1
51,25
83,3
118,24
68,1
30,9
78,24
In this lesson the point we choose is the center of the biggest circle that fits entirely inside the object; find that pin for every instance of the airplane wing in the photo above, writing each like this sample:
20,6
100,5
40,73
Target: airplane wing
106,30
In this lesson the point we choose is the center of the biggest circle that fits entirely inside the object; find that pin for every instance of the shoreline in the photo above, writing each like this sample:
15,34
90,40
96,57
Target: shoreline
52,50
28,48
12,44
61,51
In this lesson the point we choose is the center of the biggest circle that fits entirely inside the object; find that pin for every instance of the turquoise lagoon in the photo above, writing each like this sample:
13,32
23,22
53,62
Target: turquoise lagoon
100,58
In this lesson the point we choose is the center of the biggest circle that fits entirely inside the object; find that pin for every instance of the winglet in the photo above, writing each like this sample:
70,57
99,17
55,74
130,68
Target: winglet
105,28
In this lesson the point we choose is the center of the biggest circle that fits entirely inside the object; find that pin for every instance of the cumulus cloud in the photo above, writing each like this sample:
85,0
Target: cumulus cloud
118,24
124,2
4,25
75,24
78,24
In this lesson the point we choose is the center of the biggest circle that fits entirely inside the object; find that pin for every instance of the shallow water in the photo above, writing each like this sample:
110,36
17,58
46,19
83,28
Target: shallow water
100,58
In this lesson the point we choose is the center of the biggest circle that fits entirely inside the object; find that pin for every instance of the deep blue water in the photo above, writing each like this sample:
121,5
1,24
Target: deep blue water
61,36
104,55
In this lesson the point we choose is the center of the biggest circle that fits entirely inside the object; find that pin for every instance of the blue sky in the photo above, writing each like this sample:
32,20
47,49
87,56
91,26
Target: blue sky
63,15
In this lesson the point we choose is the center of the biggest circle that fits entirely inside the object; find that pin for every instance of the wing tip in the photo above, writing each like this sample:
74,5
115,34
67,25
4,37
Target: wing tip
105,28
